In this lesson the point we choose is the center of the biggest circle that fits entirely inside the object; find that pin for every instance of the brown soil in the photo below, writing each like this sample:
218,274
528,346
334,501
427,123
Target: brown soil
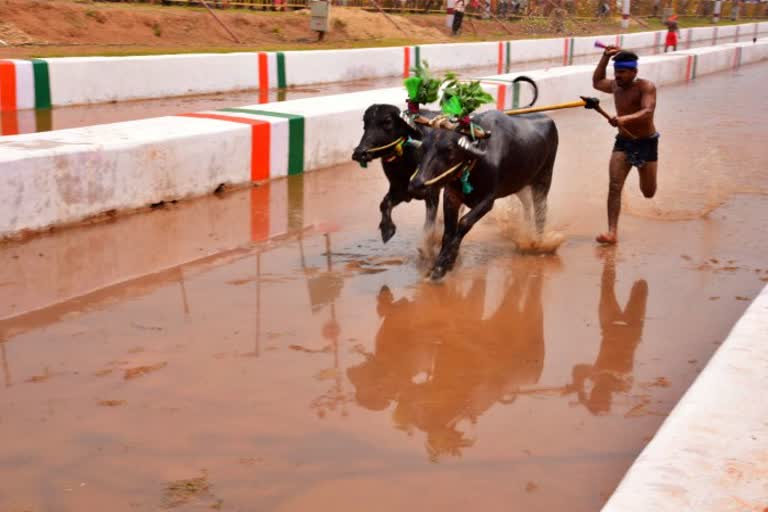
66,27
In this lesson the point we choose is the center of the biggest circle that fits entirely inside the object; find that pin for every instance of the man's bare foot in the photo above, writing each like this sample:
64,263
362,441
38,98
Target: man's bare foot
607,238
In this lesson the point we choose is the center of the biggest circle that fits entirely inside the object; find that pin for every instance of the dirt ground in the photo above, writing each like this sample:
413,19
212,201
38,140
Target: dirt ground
31,28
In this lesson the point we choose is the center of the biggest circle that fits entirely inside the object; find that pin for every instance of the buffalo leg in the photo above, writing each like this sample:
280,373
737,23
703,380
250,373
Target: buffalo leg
453,237
386,226
432,200
526,199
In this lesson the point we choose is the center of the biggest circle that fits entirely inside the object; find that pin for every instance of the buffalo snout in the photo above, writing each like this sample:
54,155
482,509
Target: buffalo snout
361,155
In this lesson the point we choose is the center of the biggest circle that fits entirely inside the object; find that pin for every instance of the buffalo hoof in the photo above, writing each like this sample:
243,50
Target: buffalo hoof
387,231
438,272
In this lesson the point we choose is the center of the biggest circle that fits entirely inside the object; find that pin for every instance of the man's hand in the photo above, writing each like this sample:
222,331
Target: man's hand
611,50
616,121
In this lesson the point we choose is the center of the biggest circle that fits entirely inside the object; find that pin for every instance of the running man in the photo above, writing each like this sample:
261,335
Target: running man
637,142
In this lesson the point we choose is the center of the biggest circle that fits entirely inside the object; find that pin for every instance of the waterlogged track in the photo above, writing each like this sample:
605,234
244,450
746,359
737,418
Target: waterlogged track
295,363
29,121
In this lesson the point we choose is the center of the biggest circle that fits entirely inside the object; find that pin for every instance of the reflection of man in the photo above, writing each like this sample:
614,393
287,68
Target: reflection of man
621,332
444,365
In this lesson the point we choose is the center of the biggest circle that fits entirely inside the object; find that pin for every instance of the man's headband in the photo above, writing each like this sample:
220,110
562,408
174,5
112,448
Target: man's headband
625,64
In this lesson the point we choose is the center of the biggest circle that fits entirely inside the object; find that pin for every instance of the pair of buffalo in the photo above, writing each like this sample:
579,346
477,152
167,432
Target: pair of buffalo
419,160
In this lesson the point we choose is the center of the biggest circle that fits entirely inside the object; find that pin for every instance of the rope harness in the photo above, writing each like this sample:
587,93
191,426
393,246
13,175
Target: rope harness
397,144
466,186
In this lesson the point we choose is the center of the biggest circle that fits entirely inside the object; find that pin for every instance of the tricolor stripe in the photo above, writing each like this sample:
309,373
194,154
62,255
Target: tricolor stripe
504,57
296,135
260,138
7,86
618,40
736,36
757,30
9,122
568,44
714,36
737,57
656,42
689,38
690,70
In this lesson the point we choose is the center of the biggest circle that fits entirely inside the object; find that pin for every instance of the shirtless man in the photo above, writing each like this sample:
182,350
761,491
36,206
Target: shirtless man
635,103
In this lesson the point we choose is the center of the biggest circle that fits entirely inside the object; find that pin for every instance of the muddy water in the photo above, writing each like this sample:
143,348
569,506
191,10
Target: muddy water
264,351
30,121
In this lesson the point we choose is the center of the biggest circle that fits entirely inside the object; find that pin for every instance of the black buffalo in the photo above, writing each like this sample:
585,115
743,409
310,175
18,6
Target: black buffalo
386,135
519,153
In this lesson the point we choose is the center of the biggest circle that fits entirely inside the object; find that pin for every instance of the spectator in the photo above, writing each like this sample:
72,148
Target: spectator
458,15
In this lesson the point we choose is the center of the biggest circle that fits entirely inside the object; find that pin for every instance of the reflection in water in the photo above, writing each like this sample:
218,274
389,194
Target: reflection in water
443,364
621,331
324,289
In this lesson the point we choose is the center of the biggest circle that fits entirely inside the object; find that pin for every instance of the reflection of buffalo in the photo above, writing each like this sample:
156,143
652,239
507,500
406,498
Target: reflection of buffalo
622,332
441,362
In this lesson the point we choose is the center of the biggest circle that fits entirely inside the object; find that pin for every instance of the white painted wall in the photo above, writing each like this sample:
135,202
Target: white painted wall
77,80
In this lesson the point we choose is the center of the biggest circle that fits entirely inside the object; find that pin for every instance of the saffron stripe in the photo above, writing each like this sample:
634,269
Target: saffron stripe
296,135
42,84
7,85
263,78
281,82
501,97
499,66
406,61
565,51
260,134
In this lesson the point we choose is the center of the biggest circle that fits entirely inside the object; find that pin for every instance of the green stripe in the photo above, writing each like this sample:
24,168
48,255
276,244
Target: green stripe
570,52
281,83
695,63
295,136
506,64
417,52
621,41
516,95
42,83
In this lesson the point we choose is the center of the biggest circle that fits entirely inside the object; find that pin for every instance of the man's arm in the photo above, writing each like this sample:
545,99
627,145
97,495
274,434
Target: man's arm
647,105
599,81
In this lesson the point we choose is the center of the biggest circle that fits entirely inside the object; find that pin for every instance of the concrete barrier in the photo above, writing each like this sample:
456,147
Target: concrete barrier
42,83
66,176
710,453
